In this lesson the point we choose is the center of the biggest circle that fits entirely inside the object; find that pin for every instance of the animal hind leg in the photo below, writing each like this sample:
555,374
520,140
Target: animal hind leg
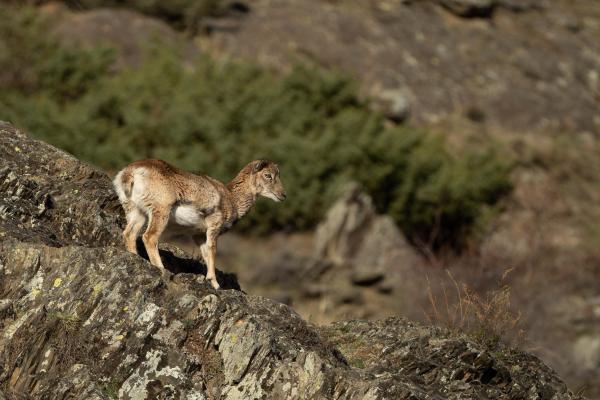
135,222
157,221
199,252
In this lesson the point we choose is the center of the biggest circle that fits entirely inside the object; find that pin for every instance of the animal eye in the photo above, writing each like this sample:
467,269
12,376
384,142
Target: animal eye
268,176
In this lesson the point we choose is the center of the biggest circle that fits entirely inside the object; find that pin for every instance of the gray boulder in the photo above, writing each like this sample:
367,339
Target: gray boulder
362,245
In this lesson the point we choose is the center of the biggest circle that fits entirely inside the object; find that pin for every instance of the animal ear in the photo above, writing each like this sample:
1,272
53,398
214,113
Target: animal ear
258,165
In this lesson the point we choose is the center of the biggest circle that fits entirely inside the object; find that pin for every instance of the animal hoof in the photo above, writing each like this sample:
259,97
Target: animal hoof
215,284
167,275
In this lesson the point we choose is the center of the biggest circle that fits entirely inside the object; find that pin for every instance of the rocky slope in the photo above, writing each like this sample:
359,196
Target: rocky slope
82,318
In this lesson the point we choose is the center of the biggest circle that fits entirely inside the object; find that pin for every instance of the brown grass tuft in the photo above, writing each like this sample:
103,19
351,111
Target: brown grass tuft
487,318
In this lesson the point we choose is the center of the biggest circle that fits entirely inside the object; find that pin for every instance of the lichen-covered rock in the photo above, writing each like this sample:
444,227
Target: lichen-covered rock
81,318
48,196
101,321
408,359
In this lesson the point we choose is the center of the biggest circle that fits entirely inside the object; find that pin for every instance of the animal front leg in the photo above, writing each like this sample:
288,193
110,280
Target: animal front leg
209,253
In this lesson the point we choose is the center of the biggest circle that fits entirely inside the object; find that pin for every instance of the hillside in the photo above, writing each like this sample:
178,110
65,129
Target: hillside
518,66
82,318
527,66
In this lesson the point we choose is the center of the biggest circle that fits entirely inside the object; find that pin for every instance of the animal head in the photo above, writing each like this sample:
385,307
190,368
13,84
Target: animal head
266,180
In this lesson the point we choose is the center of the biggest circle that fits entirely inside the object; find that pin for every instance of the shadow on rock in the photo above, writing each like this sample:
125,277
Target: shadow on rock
176,262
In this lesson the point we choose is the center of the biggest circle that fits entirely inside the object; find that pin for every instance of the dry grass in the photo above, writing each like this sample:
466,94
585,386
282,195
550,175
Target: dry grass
488,318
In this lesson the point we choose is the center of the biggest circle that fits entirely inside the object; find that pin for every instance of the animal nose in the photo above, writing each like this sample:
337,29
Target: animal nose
283,196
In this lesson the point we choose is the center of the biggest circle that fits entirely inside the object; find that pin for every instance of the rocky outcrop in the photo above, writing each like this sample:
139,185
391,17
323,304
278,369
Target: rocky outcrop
355,239
81,318
412,360
51,197
98,322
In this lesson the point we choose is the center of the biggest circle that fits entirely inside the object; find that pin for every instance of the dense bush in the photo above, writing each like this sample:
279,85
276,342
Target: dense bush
214,117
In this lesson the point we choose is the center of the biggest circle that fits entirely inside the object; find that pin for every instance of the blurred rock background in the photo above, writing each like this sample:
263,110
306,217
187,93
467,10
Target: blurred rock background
441,156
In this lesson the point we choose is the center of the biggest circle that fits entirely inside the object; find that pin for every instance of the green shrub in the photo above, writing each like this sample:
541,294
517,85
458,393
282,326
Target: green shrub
214,117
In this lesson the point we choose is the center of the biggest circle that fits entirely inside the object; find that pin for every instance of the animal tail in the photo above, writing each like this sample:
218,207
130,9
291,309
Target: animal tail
123,183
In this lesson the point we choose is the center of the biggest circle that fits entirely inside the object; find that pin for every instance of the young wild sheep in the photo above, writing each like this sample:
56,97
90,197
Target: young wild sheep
180,206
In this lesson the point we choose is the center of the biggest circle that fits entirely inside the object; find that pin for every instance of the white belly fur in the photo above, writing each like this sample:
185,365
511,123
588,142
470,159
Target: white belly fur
186,215
184,221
